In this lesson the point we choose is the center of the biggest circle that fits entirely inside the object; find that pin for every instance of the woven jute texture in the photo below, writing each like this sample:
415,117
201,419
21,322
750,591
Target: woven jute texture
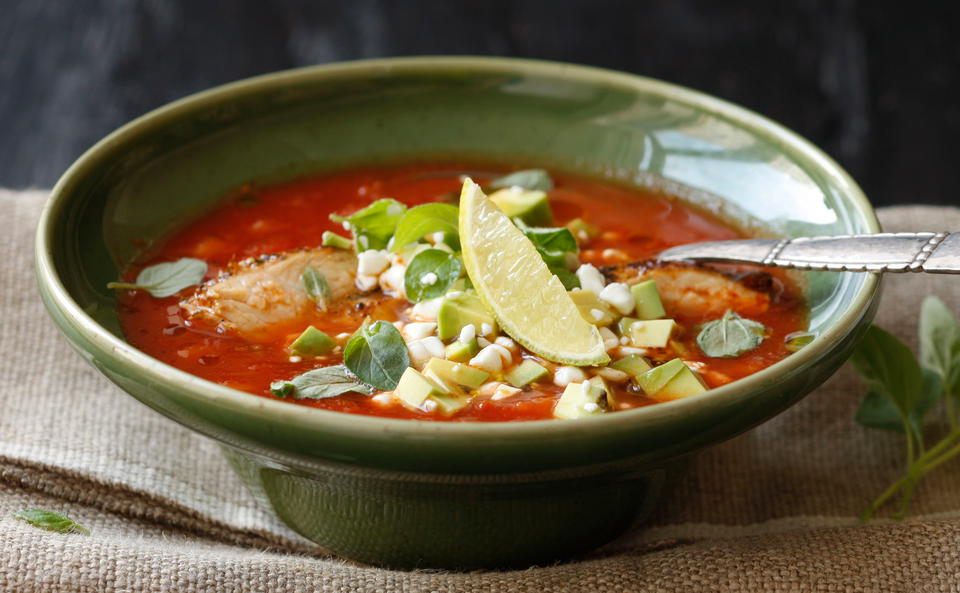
772,510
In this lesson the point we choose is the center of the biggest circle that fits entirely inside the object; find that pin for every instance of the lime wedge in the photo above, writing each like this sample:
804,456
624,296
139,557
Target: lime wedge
528,301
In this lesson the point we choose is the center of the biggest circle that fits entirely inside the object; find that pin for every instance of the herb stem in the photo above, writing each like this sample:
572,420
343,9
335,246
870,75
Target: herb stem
124,286
933,463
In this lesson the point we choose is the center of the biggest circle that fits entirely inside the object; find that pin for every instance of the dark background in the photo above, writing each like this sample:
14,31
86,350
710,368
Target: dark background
875,84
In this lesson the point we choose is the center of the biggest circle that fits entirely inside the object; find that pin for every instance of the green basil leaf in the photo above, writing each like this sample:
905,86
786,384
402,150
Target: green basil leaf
317,287
559,240
168,278
321,383
50,521
568,278
425,219
373,226
889,369
527,179
879,411
940,342
430,274
377,355
730,336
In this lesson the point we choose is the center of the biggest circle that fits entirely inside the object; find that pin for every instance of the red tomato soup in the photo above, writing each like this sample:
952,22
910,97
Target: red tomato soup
627,225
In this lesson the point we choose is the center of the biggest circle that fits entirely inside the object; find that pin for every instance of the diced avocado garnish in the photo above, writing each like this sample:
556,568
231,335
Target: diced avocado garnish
459,309
449,387
671,380
331,239
530,206
608,397
527,372
583,230
458,351
654,333
624,325
592,308
648,300
580,400
414,389
450,404
457,373
313,342
633,365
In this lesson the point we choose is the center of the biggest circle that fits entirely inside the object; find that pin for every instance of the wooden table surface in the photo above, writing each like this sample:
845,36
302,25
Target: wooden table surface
873,83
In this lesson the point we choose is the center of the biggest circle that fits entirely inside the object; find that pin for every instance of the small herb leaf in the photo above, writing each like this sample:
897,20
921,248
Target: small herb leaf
317,287
374,225
50,521
425,219
879,411
527,179
940,342
551,239
168,278
889,369
377,355
430,274
320,384
730,336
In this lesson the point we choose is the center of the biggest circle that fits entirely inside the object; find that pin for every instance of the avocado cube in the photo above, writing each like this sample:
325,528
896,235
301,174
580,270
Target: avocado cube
414,388
633,365
313,342
462,351
624,325
456,373
527,372
592,309
671,380
580,400
450,404
654,333
530,206
448,386
583,230
459,309
648,301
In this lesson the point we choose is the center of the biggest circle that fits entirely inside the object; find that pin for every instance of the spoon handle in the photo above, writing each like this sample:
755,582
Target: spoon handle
937,253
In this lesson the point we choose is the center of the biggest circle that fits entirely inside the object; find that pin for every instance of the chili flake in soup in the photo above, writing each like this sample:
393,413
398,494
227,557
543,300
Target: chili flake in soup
348,292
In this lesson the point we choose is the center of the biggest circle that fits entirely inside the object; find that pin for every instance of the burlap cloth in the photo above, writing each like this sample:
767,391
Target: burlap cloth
772,510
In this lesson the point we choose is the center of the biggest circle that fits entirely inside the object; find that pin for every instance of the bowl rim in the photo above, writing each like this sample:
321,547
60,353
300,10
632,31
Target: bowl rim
283,413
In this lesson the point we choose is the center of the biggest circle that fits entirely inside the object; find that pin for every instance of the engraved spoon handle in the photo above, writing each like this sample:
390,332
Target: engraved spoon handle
937,253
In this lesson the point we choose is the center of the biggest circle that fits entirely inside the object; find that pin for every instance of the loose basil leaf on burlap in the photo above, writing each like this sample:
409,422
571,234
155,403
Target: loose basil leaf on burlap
50,521
730,336
426,219
168,278
940,343
527,179
317,287
889,369
878,411
374,225
320,384
430,274
377,355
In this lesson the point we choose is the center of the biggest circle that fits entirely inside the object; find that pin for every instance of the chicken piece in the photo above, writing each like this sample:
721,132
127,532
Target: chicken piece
257,294
694,291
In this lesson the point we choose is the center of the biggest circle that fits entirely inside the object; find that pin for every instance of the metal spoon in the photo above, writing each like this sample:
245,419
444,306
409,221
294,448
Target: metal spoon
936,253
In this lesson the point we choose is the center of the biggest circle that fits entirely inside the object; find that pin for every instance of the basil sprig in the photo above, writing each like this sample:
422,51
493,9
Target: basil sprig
320,384
730,336
317,287
377,355
902,391
166,279
374,225
426,219
50,521
533,179
430,274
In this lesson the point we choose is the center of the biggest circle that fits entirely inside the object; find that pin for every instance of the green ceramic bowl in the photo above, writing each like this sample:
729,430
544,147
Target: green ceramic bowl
454,495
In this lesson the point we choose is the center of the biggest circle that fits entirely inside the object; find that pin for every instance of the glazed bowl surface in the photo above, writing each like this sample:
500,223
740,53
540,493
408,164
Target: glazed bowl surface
453,495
